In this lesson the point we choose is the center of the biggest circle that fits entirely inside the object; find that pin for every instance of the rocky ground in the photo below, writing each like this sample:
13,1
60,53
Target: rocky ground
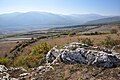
62,71
75,61
80,72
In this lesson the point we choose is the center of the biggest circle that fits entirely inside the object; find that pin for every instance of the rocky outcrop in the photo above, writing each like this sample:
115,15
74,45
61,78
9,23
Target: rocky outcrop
80,53
22,74
73,53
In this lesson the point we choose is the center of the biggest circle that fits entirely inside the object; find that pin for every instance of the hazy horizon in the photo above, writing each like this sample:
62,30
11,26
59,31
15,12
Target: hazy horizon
65,7
61,13
55,13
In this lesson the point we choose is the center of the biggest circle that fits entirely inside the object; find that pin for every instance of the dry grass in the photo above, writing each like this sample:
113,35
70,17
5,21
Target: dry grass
6,47
97,39
80,72
106,28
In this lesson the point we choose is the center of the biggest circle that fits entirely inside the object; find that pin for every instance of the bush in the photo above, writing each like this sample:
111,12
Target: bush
109,42
114,31
96,33
43,48
87,41
33,59
19,61
65,33
71,33
93,33
4,61
28,61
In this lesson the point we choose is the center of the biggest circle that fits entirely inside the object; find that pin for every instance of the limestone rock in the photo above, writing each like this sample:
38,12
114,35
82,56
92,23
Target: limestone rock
3,68
77,53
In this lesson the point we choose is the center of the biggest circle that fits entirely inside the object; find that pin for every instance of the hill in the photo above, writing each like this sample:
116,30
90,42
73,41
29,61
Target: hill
115,19
36,20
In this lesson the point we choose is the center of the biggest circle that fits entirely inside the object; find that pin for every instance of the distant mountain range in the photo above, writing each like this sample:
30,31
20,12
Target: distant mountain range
36,20
105,20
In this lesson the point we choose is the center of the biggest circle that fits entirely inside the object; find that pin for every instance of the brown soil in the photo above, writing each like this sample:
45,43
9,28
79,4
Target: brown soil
80,72
6,47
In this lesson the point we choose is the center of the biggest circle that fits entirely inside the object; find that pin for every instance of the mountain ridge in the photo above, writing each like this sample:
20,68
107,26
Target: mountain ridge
18,21
105,20
42,18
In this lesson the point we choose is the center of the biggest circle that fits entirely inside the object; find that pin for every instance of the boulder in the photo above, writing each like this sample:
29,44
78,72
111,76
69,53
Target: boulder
43,68
81,55
24,74
4,76
3,68
52,54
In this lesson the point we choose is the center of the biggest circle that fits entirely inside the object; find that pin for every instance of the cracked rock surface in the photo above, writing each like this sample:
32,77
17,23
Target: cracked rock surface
77,53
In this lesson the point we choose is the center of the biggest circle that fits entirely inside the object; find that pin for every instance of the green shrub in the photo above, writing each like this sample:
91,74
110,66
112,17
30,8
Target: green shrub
28,61
43,48
87,41
71,33
65,33
4,61
93,33
109,42
33,59
19,61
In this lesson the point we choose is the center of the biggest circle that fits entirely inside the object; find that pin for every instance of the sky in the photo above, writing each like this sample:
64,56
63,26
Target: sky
103,7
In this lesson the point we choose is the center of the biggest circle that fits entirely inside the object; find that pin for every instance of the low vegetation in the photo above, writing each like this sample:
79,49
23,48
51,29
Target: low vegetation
65,33
43,48
33,59
4,61
94,33
27,60
114,31
110,42
87,41
71,33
